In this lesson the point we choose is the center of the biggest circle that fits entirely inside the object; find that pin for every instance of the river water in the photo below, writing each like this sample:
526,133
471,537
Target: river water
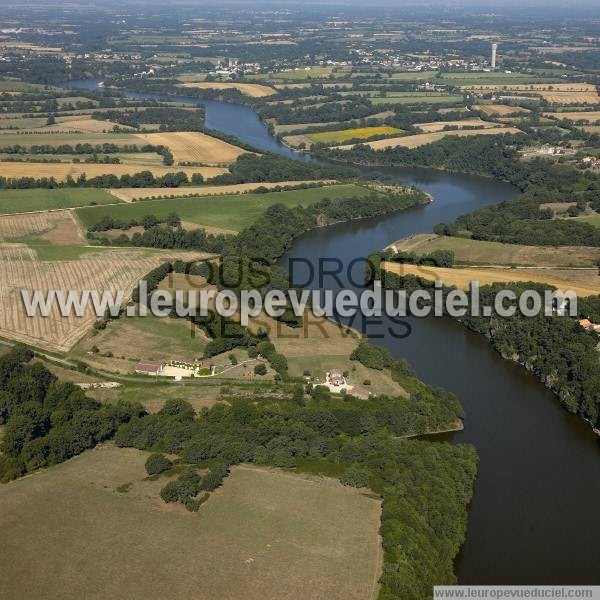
535,516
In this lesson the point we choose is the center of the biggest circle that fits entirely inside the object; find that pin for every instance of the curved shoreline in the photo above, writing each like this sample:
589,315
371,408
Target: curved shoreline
525,440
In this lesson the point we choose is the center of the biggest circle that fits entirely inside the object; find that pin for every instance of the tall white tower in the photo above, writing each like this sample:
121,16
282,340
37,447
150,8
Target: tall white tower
494,49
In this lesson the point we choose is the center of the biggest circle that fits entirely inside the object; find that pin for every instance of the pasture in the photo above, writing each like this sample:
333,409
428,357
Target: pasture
148,338
333,137
414,141
265,533
195,147
226,212
254,90
582,282
22,201
479,252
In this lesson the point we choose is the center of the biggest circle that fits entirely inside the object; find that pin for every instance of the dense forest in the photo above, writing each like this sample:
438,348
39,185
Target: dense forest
48,421
250,168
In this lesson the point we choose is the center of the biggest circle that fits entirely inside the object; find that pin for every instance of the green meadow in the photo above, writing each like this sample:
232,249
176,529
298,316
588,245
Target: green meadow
234,211
21,201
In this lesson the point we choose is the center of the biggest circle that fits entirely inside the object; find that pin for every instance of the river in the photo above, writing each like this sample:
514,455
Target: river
534,516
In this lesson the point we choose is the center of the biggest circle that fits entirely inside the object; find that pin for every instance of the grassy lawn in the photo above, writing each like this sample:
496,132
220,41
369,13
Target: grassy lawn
228,211
591,219
448,99
99,523
148,338
19,201
153,394
328,137
48,252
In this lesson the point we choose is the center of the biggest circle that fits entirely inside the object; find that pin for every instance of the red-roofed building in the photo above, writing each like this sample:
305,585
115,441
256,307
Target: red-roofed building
149,367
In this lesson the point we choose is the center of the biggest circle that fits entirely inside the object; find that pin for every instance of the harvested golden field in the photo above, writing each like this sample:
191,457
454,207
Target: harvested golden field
439,125
479,252
254,90
59,227
571,97
264,534
555,93
413,141
195,147
60,171
500,110
592,116
102,269
79,124
582,282
86,125
131,194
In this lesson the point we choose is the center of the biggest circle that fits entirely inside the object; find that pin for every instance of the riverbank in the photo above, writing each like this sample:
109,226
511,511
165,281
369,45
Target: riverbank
453,428
520,520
